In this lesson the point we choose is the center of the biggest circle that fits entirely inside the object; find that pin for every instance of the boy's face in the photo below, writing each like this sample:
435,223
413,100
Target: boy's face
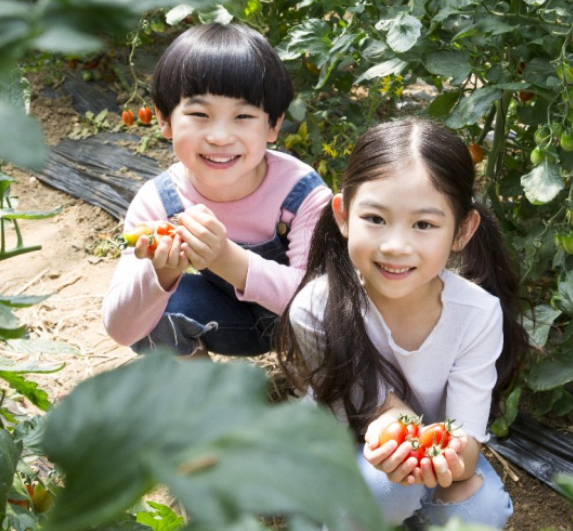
222,142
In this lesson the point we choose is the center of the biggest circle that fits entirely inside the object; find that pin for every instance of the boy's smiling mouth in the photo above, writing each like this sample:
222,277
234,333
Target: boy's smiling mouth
220,159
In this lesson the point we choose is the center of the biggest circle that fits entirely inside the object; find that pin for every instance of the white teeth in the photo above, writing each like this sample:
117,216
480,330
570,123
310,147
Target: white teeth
219,160
396,271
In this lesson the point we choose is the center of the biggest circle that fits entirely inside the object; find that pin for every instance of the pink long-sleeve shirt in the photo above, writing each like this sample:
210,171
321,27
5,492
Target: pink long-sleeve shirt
135,301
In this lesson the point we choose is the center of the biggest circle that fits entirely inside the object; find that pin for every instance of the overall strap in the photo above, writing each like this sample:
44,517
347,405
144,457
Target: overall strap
168,194
296,197
300,191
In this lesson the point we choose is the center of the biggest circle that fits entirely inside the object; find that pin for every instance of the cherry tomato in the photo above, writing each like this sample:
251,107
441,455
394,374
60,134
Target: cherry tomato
395,431
417,452
129,239
406,427
525,95
536,156
566,140
476,152
127,117
435,435
165,228
145,115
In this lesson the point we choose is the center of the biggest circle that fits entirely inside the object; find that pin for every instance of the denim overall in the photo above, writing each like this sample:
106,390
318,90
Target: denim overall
205,306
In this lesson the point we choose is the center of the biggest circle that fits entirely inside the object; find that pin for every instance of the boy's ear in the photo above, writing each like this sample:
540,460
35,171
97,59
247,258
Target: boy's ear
467,230
274,131
340,214
164,124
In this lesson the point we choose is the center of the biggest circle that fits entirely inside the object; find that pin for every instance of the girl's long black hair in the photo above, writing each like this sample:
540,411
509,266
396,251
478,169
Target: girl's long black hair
350,360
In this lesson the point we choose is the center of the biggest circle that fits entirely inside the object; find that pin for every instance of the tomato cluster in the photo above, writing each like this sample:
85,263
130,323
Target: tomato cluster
426,441
163,229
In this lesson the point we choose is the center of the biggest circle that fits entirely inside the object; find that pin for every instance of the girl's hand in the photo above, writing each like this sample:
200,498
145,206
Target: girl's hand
204,237
390,458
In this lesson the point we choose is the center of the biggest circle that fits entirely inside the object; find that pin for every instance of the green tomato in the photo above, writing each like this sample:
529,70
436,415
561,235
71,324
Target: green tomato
537,156
567,140
567,243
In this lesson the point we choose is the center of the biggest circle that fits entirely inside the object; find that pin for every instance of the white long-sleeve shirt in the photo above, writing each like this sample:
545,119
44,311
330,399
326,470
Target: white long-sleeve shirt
135,301
451,376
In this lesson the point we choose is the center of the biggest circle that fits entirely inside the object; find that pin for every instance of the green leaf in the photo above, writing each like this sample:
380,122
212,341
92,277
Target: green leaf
449,64
474,107
311,37
10,326
538,328
403,33
22,301
566,483
23,142
441,106
393,66
201,429
542,184
65,39
546,375
12,214
39,346
9,454
15,89
160,518
500,426
29,389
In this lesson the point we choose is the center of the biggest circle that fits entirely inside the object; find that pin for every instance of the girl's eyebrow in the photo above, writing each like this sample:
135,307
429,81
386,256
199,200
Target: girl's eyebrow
420,211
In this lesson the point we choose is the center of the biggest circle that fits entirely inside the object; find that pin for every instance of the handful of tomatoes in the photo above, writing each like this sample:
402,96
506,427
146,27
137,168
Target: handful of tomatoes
426,441
163,229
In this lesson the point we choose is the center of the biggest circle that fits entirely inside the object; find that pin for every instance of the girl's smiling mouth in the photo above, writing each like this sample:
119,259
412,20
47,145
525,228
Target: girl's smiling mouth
394,270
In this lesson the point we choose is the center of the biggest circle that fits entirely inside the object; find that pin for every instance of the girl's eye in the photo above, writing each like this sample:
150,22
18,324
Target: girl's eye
198,114
423,225
376,220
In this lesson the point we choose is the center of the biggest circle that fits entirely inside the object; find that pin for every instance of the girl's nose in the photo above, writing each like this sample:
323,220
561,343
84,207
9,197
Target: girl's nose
395,242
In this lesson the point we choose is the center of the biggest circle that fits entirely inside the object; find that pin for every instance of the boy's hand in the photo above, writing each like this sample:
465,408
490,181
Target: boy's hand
203,236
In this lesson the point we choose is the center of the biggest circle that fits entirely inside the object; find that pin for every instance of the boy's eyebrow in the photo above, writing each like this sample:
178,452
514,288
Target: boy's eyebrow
380,206
203,101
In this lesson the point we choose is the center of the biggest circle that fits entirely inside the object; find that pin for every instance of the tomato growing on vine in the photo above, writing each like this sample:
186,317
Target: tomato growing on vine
127,117
145,115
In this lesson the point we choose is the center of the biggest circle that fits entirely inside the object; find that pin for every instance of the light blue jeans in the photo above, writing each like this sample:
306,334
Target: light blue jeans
490,505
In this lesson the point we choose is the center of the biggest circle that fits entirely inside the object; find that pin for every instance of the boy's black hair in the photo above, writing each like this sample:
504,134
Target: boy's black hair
229,60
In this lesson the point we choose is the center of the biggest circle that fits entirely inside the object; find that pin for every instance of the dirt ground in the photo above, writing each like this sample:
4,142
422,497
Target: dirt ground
75,265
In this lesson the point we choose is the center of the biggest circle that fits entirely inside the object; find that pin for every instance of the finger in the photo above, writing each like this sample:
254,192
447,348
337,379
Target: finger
427,473
455,463
442,470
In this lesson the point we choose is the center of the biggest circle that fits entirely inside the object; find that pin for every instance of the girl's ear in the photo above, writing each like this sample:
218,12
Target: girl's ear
164,124
467,230
274,131
340,214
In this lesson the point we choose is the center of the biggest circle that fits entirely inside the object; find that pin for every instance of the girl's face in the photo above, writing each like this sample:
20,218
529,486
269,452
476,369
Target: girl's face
222,142
400,232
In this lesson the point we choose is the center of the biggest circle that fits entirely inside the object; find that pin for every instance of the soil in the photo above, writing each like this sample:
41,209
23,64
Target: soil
75,266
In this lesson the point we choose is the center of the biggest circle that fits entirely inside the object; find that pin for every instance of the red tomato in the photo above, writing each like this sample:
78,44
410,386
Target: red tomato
406,427
127,117
476,152
417,452
145,115
435,435
395,431
165,228
525,95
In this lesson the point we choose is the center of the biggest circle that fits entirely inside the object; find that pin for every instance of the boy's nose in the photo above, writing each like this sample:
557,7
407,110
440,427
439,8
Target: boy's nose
220,134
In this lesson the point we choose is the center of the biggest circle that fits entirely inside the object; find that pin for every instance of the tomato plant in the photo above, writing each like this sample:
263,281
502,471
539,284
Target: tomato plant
145,115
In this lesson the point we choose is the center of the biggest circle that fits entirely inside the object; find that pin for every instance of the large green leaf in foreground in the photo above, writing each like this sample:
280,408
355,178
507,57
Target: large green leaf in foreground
207,432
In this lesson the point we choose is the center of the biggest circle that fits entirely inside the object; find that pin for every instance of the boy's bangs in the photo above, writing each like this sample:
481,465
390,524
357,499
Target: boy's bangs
230,73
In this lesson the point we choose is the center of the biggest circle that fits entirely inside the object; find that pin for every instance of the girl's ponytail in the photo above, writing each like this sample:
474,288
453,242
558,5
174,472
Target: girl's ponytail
486,261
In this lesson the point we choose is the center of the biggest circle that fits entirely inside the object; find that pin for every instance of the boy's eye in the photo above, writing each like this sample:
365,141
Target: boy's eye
244,116
198,114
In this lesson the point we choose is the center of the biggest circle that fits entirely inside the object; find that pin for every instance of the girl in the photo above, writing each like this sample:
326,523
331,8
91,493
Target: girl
246,213
380,327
